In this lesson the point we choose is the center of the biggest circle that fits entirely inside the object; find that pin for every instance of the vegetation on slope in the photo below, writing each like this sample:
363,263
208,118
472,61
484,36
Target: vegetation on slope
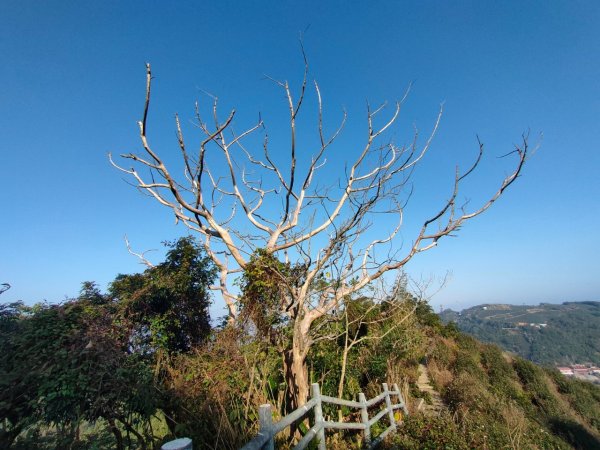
140,365
496,401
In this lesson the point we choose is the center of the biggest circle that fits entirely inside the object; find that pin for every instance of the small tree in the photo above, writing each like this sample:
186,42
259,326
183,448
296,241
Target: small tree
167,305
317,229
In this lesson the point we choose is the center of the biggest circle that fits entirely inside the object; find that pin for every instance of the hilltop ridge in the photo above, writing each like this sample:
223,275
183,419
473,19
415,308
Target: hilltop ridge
548,334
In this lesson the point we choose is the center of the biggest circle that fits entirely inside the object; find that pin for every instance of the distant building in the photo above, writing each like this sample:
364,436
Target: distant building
532,325
566,371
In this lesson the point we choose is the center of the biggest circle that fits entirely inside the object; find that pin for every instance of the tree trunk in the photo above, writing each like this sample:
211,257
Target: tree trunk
343,375
344,363
296,377
141,441
115,430
296,371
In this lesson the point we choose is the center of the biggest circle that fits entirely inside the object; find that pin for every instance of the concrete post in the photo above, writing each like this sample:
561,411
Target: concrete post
388,403
178,444
364,417
265,418
316,393
401,400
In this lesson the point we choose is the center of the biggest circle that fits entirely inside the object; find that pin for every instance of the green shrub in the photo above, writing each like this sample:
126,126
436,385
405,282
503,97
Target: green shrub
536,386
428,433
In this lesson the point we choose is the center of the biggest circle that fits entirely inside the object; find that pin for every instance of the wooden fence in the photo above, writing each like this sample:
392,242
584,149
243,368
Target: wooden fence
265,440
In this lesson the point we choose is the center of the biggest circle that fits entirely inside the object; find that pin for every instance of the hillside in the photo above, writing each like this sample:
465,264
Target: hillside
548,334
493,400
70,378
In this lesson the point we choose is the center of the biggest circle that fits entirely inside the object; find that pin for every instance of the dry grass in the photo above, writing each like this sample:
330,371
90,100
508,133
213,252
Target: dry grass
516,423
441,377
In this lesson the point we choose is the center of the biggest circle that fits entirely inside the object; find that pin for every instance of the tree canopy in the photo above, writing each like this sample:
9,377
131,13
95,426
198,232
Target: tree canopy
166,306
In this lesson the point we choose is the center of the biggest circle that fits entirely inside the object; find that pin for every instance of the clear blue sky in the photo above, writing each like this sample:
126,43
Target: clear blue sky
72,86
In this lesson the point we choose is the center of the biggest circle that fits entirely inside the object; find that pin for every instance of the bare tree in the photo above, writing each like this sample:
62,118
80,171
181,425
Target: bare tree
387,311
239,201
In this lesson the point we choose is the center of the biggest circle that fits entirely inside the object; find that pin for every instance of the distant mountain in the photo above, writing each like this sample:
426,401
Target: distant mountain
550,334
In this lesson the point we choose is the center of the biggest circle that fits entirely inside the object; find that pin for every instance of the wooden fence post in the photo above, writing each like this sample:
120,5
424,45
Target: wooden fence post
265,419
388,403
316,394
364,417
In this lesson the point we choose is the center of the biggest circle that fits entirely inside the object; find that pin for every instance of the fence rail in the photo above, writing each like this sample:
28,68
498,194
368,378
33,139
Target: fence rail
265,440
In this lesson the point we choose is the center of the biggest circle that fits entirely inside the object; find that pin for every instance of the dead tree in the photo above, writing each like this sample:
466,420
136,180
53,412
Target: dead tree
241,201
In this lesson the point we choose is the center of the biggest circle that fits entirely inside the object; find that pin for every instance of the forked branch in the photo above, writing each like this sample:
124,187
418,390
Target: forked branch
289,212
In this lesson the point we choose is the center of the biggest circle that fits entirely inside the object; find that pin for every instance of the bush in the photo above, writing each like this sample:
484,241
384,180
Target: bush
428,433
58,368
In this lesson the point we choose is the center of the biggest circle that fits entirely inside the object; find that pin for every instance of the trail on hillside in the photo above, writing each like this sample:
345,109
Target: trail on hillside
424,385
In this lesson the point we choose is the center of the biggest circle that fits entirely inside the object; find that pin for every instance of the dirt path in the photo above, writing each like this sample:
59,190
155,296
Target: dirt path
424,385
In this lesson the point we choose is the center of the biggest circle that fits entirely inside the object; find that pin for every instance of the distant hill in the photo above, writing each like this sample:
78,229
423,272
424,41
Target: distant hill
550,334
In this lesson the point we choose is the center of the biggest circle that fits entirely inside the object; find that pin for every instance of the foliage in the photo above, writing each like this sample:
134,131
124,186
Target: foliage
583,397
166,307
91,293
94,359
212,393
59,368
138,366
265,284
507,402
431,433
